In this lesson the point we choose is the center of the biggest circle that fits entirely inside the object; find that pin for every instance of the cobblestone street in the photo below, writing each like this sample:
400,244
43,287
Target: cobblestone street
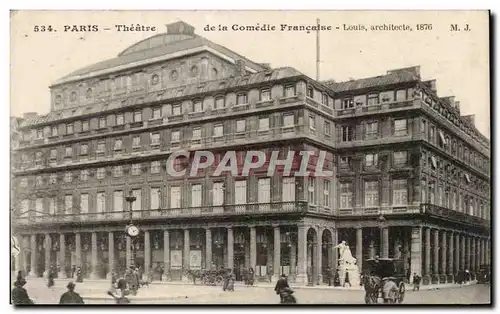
95,293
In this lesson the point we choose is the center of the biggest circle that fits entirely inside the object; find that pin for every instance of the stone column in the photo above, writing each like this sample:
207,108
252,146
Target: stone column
293,259
62,257
277,253
462,253
467,253
444,253
208,248
335,252
230,248
436,253
187,246
416,252
147,254
384,245
319,258
451,251
253,247
94,274
48,248
427,248
33,257
302,255
488,250
111,255
457,253
78,250
359,249
166,254
128,252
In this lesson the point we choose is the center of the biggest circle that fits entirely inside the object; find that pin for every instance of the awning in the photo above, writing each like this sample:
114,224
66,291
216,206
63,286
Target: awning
467,178
441,135
434,161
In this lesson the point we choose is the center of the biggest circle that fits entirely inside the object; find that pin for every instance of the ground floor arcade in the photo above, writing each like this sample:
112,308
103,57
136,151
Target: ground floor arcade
303,250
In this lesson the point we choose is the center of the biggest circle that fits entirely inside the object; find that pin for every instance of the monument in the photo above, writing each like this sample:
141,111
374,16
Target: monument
347,265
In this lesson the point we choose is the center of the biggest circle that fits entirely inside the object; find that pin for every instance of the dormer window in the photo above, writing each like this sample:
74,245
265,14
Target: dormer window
290,91
265,94
347,103
310,92
197,106
241,99
372,99
324,99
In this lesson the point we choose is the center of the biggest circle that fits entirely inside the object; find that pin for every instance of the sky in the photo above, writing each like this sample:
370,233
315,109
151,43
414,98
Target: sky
459,61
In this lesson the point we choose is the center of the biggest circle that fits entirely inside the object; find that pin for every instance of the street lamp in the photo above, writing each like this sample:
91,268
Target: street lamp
131,230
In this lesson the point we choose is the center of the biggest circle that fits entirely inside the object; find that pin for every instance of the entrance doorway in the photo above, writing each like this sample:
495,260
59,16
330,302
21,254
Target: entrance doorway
239,264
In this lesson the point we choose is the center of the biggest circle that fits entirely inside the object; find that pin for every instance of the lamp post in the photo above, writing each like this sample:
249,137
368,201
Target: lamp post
131,230
381,222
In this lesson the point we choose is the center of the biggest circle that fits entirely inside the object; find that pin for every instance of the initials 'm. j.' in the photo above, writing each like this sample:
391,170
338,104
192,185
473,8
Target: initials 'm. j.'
81,28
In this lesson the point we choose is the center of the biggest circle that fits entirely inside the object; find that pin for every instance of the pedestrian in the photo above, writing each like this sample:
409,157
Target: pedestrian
408,275
329,276
19,294
270,274
162,270
73,271
70,296
416,282
230,282
280,285
251,274
79,274
150,275
50,276
120,293
336,279
287,297
19,276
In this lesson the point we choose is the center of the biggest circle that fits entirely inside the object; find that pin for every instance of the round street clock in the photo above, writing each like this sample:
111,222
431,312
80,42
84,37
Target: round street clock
132,231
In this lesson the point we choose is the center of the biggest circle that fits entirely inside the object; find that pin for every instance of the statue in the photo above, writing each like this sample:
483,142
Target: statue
345,253
347,267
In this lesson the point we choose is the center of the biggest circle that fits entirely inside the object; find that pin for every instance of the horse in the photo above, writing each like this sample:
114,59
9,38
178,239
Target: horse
372,286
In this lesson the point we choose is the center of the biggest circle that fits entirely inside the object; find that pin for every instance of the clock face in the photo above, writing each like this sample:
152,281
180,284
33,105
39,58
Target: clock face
133,231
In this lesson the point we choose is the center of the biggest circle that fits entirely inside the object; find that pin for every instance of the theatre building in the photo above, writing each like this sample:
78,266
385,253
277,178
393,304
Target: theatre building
411,176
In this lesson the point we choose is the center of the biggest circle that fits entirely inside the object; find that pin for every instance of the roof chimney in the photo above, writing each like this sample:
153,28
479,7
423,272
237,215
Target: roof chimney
240,67
415,70
456,105
471,118
30,115
431,84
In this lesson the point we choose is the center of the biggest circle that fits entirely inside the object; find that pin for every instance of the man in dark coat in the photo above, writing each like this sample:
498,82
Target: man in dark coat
19,294
79,275
280,286
70,296
51,276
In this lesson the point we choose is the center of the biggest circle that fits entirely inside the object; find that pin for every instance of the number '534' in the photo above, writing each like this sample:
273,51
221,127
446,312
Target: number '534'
43,28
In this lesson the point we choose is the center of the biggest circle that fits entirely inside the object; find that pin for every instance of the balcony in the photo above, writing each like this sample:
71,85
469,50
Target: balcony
453,215
281,208
375,211
378,108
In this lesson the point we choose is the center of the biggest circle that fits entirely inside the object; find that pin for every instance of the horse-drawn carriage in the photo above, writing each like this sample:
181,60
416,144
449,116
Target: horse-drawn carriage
207,277
384,275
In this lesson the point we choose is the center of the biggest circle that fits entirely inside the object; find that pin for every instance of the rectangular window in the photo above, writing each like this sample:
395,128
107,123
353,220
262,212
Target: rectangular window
118,144
346,195
218,130
400,127
219,102
53,154
196,198
68,177
326,193
263,124
265,94
155,198
324,99
288,189
310,92
84,204
347,103
136,169
25,207
102,122
264,195
53,179
241,126
442,140
347,133
177,110
328,128
136,141
101,202
372,99
371,130
39,180
101,148
39,133
288,119
156,113
175,197
218,193
137,116
400,158
289,91
54,131
196,133
399,192
52,206
118,201
155,139
401,95
423,187
85,125
155,166
39,206
84,175
241,99
312,122
101,173
84,149
176,136
240,188
119,119
68,204
117,171
431,134
311,189
69,128
371,194
197,106
371,160
137,204
68,151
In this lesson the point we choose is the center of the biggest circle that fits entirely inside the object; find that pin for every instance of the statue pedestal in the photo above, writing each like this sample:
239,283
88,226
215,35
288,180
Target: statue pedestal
352,270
